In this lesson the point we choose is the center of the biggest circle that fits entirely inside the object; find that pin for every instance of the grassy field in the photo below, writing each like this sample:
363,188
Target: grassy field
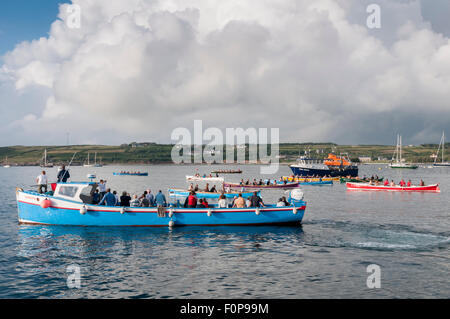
151,153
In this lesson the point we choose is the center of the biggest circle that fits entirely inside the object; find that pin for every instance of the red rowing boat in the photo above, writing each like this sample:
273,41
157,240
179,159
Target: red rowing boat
281,185
368,187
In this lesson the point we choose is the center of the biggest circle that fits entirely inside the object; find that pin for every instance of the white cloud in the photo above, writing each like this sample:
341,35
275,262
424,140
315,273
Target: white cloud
138,69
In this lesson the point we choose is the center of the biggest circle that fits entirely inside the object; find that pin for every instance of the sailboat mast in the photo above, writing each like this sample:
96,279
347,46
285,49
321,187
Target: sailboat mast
400,148
443,146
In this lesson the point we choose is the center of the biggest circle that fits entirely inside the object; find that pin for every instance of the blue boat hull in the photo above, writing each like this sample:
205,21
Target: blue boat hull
64,212
302,171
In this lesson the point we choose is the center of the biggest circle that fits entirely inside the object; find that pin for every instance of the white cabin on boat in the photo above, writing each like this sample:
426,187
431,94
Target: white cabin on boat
78,192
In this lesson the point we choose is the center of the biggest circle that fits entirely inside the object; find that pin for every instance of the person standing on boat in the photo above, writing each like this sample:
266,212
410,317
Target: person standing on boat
256,201
192,200
160,199
125,199
150,198
222,203
42,181
239,202
109,199
102,188
63,175
135,202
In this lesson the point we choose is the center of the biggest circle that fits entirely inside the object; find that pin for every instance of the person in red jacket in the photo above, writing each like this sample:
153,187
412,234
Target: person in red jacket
409,183
192,200
402,183
386,182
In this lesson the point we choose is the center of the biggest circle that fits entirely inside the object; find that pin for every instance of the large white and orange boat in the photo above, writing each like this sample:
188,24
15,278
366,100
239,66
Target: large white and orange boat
333,166
397,188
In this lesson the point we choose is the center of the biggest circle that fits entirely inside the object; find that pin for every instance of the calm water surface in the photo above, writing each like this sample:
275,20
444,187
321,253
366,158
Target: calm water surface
407,235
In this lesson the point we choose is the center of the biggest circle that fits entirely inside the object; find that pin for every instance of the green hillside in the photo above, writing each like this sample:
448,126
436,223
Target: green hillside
152,153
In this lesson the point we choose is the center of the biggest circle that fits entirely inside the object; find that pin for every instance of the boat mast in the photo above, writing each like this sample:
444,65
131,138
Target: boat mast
443,146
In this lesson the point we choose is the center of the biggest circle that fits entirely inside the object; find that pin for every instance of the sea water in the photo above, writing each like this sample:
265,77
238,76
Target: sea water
406,234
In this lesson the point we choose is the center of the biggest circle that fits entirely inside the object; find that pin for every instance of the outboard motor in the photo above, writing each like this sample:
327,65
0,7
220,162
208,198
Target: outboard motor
296,197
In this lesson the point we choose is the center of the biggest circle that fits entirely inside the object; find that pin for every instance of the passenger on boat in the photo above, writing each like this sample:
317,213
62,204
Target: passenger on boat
392,183
144,202
256,201
247,182
109,199
135,202
422,183
125,199
280,203
260,182
196,188
207,188
42,181
241,182
150,198
204,203
213,189
63,175
286,203
96,197
192,200
409,183
222,203
191,187
102,188
402,183
386,182
268,182
239,202
117,198
160,199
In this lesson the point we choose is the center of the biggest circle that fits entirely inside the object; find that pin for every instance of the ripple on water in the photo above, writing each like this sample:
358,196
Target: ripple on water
373,236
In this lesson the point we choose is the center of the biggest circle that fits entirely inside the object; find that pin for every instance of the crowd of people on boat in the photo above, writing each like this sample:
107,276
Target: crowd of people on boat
266,182
104,196
239,201
207,189
402,183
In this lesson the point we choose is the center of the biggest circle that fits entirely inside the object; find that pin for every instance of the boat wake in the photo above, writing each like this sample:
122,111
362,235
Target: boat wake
333,234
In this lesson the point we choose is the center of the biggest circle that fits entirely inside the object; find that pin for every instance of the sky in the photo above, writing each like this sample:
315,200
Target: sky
136,70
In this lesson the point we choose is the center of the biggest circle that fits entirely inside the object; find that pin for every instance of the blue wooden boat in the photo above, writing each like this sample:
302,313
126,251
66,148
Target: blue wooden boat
199,194
130,174
70,204
317,183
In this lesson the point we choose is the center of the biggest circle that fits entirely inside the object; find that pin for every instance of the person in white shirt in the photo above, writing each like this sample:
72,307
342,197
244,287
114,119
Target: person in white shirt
281,203
42,181
102,188
222,203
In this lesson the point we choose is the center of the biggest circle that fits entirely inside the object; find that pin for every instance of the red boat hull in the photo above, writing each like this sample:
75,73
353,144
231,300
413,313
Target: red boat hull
368,187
